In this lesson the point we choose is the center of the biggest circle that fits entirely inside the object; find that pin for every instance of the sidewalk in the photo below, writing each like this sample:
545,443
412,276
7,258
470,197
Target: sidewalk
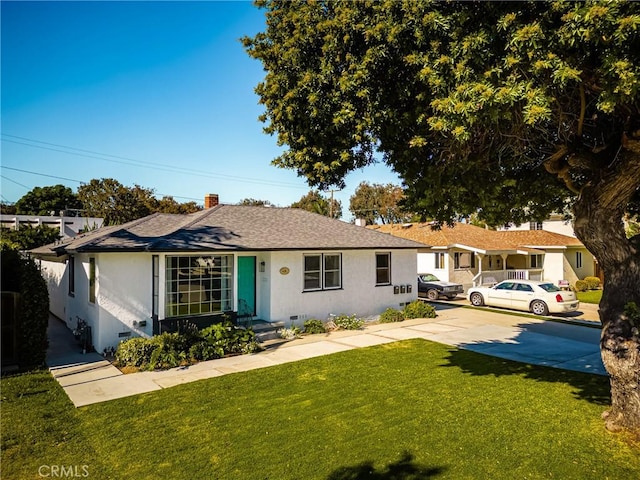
89,378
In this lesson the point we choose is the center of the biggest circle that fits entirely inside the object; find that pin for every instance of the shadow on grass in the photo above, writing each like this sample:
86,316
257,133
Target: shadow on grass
593,388
403,469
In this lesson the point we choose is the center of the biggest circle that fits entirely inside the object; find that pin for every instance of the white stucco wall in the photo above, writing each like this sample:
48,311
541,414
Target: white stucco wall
427,264
55,274
578,273
359,295
123,296
553,265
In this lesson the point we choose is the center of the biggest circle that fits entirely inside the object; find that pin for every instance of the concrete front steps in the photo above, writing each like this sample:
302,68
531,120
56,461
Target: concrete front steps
266,332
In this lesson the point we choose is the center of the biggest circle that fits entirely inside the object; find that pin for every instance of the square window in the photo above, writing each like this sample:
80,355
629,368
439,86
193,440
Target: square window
322,271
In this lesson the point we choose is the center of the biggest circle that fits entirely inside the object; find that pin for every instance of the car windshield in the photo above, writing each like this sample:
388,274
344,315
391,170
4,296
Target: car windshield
427,277
549,287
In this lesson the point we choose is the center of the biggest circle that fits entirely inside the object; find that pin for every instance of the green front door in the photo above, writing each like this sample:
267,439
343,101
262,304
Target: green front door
247,285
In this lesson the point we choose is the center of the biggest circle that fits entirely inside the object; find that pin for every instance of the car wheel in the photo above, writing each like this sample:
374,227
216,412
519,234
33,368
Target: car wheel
432,294
539,307
477,300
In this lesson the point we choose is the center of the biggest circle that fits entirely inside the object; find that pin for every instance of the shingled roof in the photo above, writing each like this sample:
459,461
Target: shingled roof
480,239
230,227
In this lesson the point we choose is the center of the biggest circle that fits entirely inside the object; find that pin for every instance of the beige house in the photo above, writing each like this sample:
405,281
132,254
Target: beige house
475,256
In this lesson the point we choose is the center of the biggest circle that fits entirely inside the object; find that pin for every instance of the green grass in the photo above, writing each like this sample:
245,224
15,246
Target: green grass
406,410
590,296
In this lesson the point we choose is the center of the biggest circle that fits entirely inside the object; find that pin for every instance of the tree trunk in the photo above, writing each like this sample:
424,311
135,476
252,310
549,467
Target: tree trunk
598,224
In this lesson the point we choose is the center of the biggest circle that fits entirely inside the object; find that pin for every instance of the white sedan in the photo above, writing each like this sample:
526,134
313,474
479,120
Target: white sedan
540,298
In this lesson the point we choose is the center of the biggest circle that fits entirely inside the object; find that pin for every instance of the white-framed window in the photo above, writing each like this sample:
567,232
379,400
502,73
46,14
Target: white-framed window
578,259
536,261
464,260
383,268
198,284
72,275
535,225
439,256
322,271
92,280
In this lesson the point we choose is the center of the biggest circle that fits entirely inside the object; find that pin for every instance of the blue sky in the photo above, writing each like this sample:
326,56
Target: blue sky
159,94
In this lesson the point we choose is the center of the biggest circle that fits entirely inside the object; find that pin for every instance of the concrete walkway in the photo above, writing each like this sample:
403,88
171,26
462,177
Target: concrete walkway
89,378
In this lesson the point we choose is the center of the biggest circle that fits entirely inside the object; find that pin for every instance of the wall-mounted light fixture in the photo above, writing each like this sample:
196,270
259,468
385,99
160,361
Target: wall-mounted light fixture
262,266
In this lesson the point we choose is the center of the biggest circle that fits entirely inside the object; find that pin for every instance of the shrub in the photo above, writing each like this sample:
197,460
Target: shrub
289,333
22,275
581,286
203,350
135,352
419,309
593,283
230,338
314,325
391,315
171,351
348,322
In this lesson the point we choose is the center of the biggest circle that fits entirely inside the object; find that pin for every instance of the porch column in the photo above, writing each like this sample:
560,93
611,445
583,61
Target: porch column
504,264
477,280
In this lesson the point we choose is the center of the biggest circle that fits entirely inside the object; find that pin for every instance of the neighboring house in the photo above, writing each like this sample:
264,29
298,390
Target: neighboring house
280,264
475,256
555,223
68,227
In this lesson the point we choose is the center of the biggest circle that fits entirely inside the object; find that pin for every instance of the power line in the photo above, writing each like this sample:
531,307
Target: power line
73,180
41,174
13,181
139,163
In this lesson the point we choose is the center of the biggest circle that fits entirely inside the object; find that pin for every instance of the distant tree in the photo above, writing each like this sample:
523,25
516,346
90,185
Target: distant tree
255,203
316,203
28,237
109,199
47,201
8,208
375,202
167,204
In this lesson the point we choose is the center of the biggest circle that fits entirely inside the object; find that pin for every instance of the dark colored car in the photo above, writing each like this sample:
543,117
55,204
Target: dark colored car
431,287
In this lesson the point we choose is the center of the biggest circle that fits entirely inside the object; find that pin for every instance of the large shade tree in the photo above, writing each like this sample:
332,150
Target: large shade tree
507,110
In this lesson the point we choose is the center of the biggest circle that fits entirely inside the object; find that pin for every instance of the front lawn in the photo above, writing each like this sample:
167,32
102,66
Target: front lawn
590,296
406,410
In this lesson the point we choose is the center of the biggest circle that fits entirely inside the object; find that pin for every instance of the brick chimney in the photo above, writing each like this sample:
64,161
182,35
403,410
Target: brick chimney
210,200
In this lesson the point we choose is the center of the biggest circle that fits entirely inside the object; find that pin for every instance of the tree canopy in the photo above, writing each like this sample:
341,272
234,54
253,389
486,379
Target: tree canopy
107,198
255,202
376,202
315,202
47,201
506,110
450,93
28,237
